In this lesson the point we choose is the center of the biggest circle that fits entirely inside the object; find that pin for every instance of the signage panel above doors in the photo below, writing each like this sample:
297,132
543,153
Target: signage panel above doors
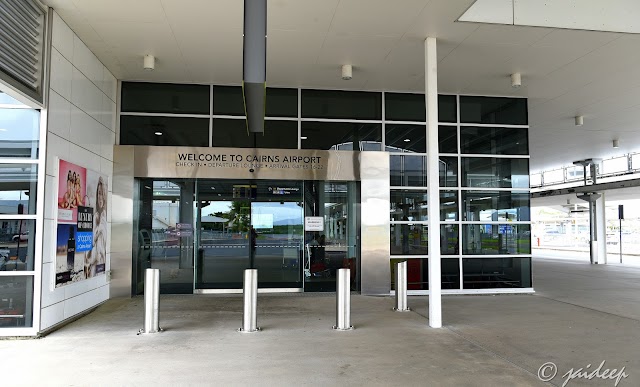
244,163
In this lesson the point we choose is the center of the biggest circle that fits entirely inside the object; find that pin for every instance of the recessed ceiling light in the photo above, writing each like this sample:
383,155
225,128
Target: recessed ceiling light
219,195
3,130
303,137
406,140
158,133
213,187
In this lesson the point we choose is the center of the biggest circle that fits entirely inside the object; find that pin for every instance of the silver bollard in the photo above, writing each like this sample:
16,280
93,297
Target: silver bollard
250,292
343,300
151,301
401,287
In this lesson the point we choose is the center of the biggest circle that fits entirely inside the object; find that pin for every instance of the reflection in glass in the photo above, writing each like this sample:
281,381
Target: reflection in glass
19,133
164,234
341,136
447,139
493,206
409,205
448,168
336,246
493,110
405,138
164,131
449,239
448,205
487,172
18,185
16,302
485,273
17,244
497,141
418,273
408,171
409,239
493,239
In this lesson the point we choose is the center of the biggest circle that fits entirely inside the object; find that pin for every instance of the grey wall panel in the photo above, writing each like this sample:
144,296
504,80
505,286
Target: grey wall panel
122,221
375,240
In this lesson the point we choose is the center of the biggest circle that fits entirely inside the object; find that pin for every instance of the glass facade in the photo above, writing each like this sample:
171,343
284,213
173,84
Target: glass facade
485,232
19,175
483,163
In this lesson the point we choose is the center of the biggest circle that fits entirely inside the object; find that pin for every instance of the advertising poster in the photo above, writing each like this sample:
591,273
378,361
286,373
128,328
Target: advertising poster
81,239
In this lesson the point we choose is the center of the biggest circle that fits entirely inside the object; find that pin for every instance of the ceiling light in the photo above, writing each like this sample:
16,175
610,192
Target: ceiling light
347,72
616,144
149,62
406,140
579,120
3,130
303,137
158,133
516,80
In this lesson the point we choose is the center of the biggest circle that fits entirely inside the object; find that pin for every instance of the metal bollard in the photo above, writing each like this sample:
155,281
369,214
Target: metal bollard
343,300
151,301
401,287
250,292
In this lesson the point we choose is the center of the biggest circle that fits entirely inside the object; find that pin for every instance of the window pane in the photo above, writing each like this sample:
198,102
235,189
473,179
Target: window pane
635,161
404,107
233,133
555,176
164,131
493,110
617,165
409,205
341,136
536,179
408,171
497,141
18,183
411,107
405,138
19,133
447,110
493,239
494,206
6,99
16,301
448,167
17,244
448,205
165,98
408,239
487,273
418,273
449,239
448,139
227,100
495,173
282,102
341,104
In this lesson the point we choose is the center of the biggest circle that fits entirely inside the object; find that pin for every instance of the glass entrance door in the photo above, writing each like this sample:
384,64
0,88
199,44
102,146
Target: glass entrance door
248,224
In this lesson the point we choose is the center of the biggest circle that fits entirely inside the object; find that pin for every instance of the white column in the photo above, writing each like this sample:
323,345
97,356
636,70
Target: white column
601,230
431,97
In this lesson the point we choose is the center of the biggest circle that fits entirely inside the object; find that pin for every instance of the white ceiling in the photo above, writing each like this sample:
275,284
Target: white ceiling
564,72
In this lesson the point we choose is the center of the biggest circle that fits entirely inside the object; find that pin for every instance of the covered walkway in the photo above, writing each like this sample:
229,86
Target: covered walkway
580,315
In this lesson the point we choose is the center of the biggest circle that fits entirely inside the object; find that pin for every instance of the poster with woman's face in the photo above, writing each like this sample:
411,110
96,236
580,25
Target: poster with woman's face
72,181
81,243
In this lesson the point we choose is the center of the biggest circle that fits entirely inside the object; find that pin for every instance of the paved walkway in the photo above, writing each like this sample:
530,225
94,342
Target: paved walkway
580,315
